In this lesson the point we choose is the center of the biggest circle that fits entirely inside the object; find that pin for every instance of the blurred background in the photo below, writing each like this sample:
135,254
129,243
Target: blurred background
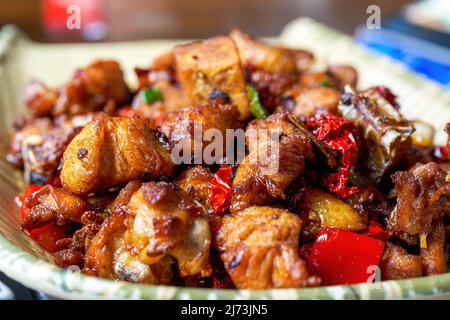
144,19
416,33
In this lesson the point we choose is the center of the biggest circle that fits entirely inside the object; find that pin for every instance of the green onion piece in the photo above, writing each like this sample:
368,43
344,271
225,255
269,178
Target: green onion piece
151,95
256,107
325,83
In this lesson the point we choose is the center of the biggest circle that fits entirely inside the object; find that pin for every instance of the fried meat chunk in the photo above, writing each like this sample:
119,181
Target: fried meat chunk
112,151
91,88
180,128
420,201
434,259
343,75
195,181
398,264
173,99
259,249
304,101
38,148
72,250
39,99
160,225
263,56
207,66
52,204
267,170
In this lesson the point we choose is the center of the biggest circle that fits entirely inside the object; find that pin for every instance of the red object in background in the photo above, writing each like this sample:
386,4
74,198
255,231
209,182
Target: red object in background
343,257
60,19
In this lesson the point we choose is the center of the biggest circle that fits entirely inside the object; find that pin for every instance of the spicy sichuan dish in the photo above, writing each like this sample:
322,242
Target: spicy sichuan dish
349,190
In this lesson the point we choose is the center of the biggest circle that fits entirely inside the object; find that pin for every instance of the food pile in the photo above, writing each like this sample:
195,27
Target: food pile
359,192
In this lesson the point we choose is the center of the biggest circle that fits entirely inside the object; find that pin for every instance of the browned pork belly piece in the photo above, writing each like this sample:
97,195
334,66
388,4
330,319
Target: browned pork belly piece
38,148
420,200
205,68
52,204
180,128
304,102
263,56
266,172
387,133
39,99
160,225
91,88
259,249
398,264
112,151
195,181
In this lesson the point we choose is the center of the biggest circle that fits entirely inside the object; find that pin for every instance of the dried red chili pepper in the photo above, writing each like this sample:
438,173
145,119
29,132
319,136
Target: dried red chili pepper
339,134
219,190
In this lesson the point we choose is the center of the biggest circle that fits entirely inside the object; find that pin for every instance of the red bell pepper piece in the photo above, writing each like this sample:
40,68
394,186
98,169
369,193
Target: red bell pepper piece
48,235
344,257
219,190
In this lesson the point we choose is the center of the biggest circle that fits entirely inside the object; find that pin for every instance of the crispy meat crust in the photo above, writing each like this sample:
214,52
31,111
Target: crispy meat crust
91,88
253,183
51,204
112,151
195,181
259,248
263,56
417,205
179,126
308,101
397,264
204,66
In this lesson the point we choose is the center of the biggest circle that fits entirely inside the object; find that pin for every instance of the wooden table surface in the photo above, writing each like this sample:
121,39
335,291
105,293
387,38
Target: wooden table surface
145,19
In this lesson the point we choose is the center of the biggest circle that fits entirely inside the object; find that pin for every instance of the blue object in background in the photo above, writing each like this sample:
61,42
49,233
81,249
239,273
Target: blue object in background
424,57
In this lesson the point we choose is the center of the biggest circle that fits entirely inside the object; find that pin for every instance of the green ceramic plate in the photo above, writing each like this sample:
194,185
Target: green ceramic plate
24,261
